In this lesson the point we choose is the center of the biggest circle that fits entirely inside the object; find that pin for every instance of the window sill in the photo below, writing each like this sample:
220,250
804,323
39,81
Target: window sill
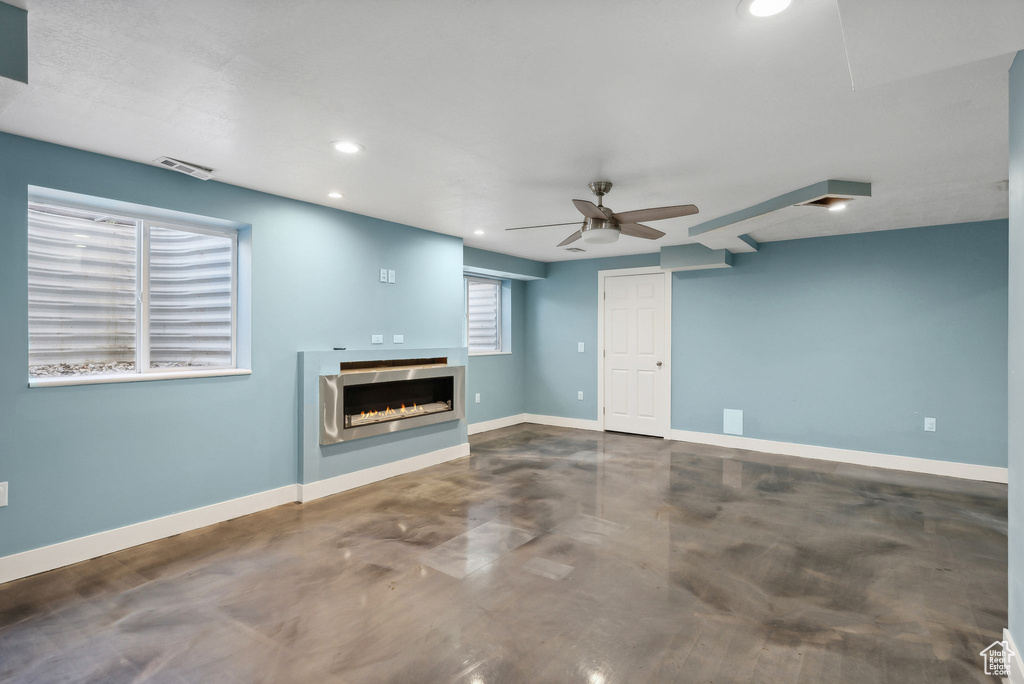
490,353
135,377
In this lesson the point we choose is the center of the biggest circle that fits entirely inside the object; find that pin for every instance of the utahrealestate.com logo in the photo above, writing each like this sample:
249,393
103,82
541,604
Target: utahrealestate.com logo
997,659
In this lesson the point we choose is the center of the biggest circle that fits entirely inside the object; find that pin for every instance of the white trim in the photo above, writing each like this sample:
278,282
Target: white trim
1017,662
64,381
490,353
341,483
967,471
666,399
72,551
636,270
45,558
559,421
496,423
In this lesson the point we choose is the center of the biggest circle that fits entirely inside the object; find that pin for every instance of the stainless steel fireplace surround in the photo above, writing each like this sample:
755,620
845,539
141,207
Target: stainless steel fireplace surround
363,401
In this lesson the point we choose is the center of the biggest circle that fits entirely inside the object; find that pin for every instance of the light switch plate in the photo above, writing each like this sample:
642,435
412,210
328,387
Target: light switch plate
391,275
732,421
398,339
383,275
929,425
579,347
478,397
376,339
579,395
3,494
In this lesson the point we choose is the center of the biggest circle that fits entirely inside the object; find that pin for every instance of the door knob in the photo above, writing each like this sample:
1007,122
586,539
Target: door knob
659,364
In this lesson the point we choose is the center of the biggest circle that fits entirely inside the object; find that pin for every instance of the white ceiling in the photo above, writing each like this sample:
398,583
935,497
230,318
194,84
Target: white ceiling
479,115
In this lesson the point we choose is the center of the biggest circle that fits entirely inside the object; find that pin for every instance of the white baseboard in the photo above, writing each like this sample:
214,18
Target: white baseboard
559,421
34,561
536,418
488,425
967,471
341,483
1016,662
73,551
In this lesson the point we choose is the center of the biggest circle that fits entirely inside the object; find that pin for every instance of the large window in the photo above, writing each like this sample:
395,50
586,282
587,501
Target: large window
112,294
483,315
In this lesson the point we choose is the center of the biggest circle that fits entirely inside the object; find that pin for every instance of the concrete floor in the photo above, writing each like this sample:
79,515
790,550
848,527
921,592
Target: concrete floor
549,555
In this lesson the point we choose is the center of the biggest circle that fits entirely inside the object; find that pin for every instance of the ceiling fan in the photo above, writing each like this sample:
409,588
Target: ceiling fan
601,225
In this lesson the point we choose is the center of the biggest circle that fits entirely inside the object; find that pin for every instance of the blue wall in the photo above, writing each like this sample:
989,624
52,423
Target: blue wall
502,265
84,459
13,43
845,342
851,341
561,310
1016,352
499,378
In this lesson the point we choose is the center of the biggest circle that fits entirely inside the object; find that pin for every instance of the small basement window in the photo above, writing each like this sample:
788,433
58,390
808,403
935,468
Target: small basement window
115,295
487,324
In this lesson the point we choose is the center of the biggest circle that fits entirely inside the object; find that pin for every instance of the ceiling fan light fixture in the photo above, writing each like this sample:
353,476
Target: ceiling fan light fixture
597,232
765,8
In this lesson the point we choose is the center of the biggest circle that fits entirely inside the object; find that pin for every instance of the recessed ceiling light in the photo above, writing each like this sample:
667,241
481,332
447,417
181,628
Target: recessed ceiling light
766,8
837,207
347,146
335,195
478,232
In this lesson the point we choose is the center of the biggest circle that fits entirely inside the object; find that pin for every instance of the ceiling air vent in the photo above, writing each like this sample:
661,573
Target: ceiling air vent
574,249
194,170
826,201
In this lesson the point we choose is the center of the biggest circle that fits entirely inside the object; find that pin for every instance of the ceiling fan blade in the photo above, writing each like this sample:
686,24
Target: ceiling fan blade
546,225
640,231
589,209
572,238
656,214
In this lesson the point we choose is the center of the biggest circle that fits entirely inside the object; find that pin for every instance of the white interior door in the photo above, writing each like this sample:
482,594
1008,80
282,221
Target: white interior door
635,368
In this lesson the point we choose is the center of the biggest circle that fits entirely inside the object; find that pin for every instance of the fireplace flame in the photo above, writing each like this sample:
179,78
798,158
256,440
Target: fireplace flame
388,411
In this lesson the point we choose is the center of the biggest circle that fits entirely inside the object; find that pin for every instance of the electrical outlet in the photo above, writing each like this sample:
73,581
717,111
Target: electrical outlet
391,275
3,494
579,347
478,397
376,339
383,275
929,425
579,395
398,339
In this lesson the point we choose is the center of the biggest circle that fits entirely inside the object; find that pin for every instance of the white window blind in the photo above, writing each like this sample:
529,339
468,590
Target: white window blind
483,314
115,294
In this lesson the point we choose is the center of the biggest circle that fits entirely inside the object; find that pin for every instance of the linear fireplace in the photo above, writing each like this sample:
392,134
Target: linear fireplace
373,397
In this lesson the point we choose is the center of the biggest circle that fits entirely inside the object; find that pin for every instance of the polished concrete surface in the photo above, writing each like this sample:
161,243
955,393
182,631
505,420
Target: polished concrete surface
549,555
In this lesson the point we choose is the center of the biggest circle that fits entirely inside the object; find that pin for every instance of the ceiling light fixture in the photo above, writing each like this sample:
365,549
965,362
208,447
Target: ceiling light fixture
82,246
80,235
598,232
837,207
765,8
347,146
478,232
335,194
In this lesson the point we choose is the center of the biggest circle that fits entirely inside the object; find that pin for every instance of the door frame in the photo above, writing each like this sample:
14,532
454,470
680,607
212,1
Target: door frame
666,386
